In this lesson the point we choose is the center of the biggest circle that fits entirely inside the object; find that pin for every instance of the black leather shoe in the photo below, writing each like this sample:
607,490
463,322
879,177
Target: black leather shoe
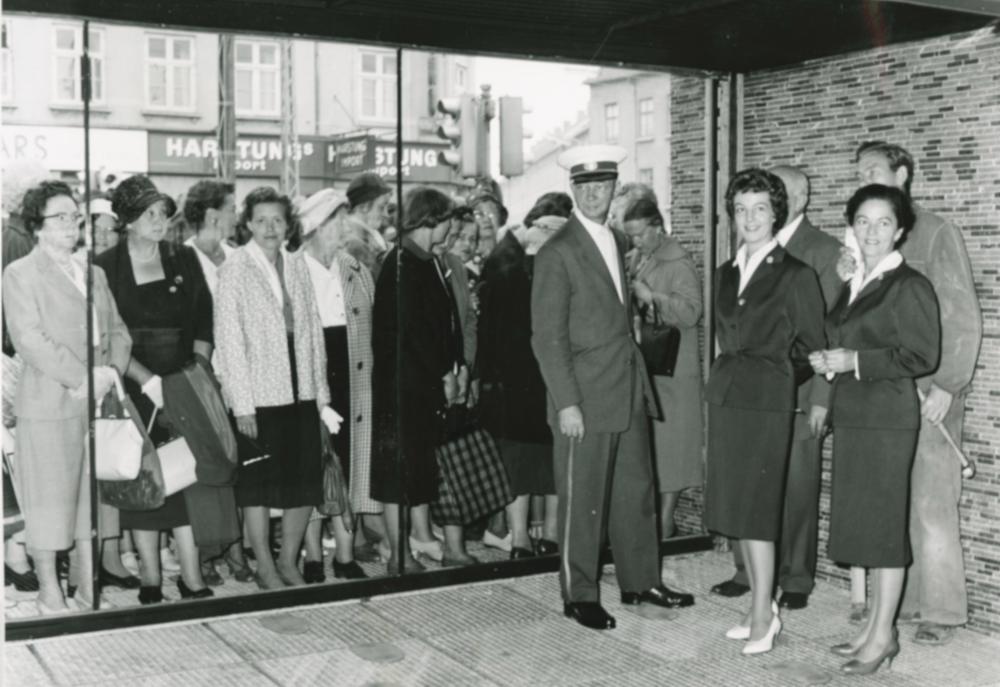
124,581
589,614
517,552
312,572
150,595
23,582
658,596
188,593
793,601
348,571
545,547
730,588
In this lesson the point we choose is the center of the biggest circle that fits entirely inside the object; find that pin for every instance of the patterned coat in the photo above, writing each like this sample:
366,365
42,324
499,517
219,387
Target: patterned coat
253,362
359,295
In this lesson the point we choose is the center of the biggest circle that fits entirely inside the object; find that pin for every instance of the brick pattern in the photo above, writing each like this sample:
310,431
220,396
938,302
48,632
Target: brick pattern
941,100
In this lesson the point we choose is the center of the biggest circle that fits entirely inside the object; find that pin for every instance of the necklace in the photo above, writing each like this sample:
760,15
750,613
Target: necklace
154,253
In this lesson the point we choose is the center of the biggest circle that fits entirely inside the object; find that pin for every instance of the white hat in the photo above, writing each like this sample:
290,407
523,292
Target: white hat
102,206
318,208
592,162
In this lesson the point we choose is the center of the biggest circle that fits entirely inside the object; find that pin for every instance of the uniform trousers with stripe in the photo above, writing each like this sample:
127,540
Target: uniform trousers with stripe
605,486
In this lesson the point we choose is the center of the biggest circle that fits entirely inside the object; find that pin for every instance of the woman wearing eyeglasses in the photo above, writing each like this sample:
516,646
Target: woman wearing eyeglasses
44,298
163,298
272,363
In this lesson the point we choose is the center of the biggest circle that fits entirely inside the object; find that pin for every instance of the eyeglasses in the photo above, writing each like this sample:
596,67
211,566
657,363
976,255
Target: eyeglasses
66,217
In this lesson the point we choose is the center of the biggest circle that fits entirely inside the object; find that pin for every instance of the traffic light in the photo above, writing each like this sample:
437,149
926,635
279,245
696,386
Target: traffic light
466,128
512,135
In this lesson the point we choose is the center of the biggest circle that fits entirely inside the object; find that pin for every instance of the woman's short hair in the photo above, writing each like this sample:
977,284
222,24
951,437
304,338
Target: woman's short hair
425,207
37,198
897,199
260,196
644,208
755,180
206,194
553,203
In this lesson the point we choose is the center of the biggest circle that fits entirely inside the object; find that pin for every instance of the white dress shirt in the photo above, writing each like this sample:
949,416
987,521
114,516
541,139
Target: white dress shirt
605,241
329,294
209,268
749,265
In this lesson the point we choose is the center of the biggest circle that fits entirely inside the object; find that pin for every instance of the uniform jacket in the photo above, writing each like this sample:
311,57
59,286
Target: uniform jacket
820,251
252,345
513,402
935,248
765,334
893,324
582,334
672,277
46,315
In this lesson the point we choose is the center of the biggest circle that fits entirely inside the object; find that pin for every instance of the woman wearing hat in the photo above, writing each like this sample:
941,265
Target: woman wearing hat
344,291
162,296
272,363
44,298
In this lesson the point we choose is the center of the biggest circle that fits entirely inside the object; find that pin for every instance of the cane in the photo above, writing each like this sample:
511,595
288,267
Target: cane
968,467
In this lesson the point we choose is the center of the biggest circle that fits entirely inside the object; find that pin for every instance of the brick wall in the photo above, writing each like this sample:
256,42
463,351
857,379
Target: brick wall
941,100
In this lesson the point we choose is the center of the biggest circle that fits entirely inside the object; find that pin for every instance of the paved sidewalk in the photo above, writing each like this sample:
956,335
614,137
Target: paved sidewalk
509,632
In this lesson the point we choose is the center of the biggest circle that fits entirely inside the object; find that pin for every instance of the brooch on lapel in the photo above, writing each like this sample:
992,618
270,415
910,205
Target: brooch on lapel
769,259
178,280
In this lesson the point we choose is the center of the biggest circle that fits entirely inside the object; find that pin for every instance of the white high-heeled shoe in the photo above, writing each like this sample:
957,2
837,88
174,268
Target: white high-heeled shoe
431,549
743,631
765,643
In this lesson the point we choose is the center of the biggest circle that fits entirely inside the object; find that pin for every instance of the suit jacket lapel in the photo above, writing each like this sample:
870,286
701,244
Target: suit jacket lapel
766,267
59,279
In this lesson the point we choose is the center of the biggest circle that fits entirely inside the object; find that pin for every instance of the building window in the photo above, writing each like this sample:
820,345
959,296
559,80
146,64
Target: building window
258,78
611,131
378,85
8,66
461,77
646,176
68,48
170,74
646,118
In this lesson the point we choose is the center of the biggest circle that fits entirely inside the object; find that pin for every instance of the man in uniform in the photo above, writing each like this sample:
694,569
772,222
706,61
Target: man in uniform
598,392
800,520
935,593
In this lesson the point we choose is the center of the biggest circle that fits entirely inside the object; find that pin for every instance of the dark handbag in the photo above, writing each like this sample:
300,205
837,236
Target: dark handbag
335,498
472,479
146,491
659,344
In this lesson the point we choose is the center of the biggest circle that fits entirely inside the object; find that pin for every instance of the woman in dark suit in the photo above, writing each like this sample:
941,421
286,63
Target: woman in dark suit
426,371
885,331
768,316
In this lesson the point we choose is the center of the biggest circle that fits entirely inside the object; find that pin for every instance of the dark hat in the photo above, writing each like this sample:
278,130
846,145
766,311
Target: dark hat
134,195
365,187
592,162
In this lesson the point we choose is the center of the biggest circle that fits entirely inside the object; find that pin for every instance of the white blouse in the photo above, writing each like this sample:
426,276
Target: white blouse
329,293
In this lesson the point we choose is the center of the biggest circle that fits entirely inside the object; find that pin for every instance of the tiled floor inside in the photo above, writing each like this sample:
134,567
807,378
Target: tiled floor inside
509,632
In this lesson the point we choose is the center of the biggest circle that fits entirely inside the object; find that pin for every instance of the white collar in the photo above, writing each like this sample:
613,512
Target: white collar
590,225
749,265
785,234
269,270
859,281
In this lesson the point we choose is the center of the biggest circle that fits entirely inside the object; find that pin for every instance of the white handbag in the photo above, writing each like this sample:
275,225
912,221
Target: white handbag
177,463
118,442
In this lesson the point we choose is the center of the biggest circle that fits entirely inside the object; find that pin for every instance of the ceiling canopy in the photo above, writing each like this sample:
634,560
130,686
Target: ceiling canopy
709,35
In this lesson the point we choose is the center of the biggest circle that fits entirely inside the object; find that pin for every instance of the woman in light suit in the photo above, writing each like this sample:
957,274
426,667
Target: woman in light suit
272,363
44,297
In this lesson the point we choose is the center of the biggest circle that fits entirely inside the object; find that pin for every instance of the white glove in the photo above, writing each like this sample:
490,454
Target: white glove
153,389
331,418
104,379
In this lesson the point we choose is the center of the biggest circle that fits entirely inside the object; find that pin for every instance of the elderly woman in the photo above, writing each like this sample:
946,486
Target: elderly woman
424,376
513,388
768,315
161,294
344,291
272,363
44,298
666,285
884,332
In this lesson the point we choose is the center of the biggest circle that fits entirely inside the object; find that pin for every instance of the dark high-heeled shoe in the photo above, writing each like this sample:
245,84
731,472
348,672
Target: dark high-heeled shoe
348,571
857,667
109,579
210,575
23,582
188,593
150,595
238,569
312,572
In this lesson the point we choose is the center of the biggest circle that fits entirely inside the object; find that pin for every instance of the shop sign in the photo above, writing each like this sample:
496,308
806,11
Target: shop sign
60,148
349,157
256,156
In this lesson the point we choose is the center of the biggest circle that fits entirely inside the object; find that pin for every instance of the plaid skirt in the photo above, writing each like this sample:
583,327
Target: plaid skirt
473,482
